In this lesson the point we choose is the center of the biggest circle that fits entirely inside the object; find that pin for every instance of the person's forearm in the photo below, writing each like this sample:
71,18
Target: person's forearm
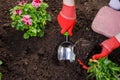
69,2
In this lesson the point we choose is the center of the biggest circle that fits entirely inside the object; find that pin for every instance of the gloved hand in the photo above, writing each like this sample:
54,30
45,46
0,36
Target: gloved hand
108,46
107,23
66,19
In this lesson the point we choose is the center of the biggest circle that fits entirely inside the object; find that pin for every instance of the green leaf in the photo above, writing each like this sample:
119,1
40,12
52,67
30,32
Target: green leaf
26,36
1,62
41,34
44,5
48,17
13,24
0,76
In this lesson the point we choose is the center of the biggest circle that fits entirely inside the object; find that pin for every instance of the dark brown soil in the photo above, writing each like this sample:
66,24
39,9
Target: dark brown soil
36,58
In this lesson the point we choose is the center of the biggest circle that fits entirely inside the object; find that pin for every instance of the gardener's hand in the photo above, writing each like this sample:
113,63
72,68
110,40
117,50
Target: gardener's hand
66,19
108,46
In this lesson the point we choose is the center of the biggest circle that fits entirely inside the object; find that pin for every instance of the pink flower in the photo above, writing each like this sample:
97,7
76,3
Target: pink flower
36,3
26,19
19,12
22,3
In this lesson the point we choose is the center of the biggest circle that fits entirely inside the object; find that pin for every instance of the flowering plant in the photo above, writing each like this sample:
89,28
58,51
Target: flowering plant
30,17
104,69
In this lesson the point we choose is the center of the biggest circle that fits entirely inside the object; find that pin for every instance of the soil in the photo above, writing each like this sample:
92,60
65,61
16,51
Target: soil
36,58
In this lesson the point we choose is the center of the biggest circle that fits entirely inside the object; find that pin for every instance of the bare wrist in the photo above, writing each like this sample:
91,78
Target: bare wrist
69,2
118,37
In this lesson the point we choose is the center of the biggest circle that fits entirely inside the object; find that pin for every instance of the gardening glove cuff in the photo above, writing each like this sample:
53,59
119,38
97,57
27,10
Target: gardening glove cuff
110,44
115,4
68,12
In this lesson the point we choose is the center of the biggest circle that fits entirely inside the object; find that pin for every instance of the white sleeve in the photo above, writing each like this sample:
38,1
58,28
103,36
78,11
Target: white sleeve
115,4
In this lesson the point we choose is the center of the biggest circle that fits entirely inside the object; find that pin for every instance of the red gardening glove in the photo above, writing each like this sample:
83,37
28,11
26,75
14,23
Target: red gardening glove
66,19
107,47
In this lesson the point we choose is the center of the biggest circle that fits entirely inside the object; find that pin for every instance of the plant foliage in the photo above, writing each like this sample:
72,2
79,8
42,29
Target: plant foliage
104,69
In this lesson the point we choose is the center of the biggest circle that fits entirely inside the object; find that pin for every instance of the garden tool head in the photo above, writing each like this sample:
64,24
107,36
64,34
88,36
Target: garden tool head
66,50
